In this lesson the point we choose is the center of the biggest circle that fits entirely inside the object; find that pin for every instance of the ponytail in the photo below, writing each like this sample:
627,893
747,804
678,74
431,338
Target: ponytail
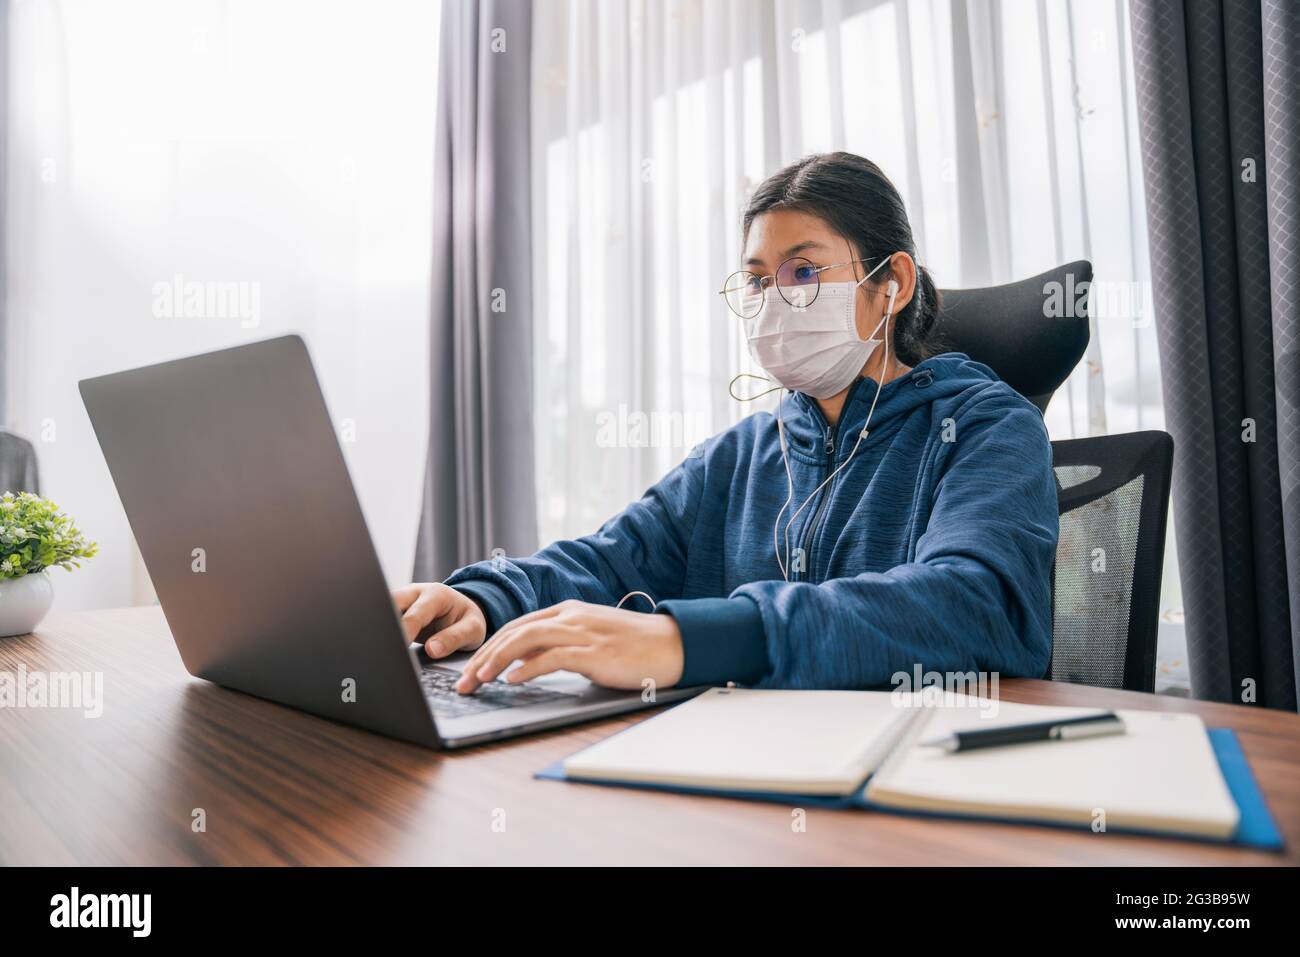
914,335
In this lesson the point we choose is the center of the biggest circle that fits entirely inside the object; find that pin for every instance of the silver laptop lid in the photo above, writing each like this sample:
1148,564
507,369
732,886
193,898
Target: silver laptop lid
240,500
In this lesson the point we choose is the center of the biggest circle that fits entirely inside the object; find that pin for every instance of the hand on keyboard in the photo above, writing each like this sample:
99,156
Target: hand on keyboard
444,619
439,683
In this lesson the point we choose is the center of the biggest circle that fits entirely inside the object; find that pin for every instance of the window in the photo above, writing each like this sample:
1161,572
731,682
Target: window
283,147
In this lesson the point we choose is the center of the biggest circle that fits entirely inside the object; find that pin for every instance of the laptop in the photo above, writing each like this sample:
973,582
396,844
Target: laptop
237,492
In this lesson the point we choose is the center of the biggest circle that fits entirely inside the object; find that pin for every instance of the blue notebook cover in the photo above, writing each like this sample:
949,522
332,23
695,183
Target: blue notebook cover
1255,829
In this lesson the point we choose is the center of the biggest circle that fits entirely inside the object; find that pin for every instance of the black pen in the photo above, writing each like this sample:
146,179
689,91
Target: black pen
1064,729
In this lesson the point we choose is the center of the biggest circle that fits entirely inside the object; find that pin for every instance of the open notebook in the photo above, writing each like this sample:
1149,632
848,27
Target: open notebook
735,739
1164,775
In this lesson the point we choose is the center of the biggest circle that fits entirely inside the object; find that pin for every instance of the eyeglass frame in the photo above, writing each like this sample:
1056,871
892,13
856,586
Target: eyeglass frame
765,282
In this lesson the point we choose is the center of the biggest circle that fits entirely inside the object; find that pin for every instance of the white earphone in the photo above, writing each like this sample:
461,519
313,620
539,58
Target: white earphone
784,564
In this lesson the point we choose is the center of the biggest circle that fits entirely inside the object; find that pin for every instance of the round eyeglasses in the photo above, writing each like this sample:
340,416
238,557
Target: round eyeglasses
798,280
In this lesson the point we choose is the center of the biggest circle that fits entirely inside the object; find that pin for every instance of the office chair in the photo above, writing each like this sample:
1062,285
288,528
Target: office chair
1112,490
1013,330
1113,499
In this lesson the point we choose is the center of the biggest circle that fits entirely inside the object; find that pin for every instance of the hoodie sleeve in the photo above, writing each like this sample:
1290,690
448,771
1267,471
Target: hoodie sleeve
641,549
976,596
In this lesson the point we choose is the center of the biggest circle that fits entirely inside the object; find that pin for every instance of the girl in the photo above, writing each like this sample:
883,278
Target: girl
898,510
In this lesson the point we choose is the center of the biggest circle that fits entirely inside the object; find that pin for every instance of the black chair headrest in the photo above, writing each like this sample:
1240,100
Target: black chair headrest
1031,332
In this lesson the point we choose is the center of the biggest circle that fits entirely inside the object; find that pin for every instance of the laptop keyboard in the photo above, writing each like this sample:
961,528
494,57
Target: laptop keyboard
439,683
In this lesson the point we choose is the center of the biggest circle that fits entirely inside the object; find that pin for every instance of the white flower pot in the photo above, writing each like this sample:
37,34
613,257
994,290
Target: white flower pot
24,602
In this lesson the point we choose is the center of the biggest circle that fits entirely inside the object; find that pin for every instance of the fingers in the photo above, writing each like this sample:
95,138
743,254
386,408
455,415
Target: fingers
522,643
464,634
432,603
551,611
511,627
495,656
404,596
564,658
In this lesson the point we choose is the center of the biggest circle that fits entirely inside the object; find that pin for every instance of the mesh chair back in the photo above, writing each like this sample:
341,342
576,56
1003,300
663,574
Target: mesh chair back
1113,496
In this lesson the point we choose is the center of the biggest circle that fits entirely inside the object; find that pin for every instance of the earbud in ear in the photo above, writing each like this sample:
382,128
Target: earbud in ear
892,288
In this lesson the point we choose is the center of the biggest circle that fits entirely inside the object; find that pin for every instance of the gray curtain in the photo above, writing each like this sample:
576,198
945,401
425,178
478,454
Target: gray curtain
1218,98
478,489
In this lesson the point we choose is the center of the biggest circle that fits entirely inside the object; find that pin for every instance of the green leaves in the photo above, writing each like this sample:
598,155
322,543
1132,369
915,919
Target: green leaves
35,535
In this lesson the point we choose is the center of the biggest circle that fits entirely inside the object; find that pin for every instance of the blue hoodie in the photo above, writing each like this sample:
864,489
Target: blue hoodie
934,547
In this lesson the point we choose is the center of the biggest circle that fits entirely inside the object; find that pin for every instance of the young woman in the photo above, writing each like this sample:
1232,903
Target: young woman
898,510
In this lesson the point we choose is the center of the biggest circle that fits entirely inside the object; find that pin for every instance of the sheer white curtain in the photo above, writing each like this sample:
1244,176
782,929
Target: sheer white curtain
283,145
1008,127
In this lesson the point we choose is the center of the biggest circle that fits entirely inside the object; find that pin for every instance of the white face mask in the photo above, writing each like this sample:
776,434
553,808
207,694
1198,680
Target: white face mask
814,349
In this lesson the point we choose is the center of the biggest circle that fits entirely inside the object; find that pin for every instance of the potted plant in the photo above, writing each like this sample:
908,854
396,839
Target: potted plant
34,536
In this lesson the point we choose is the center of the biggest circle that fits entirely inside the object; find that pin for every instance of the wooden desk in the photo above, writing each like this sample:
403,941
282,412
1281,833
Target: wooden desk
280,787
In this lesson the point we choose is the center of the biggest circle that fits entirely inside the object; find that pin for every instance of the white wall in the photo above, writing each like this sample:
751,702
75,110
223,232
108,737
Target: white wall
287,145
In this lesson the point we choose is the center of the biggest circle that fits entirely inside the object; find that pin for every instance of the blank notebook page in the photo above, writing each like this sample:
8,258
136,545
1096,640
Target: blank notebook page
797,742
1161,775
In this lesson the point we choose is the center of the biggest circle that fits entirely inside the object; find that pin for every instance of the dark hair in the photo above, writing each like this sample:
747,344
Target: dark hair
857,200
